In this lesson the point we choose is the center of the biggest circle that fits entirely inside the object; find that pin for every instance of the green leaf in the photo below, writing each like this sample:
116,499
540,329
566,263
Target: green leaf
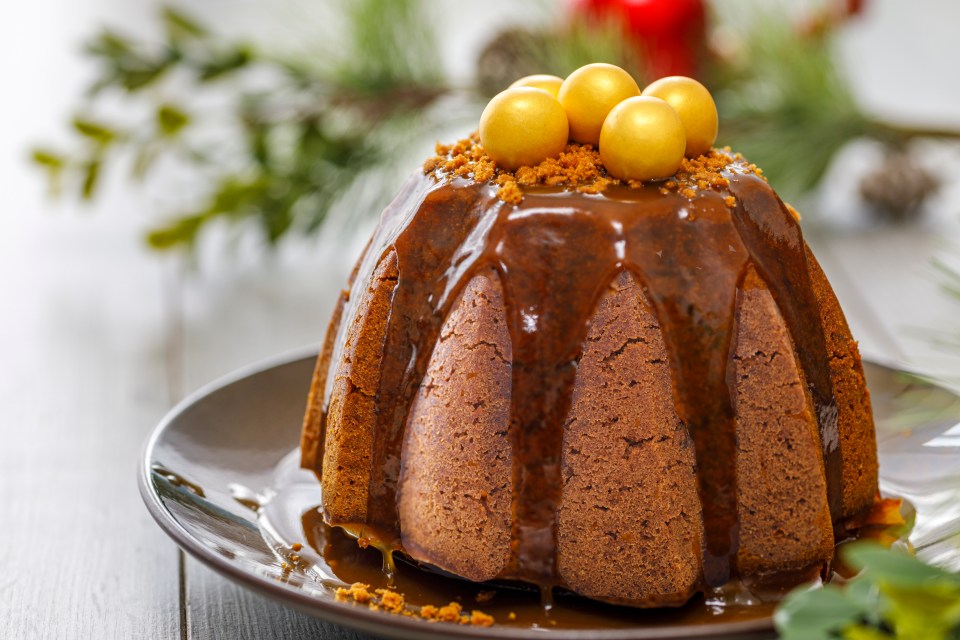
110,44
894,597
54,164
136,79
48,159
223,64
127,64
171,120
180,232
860,632
97,132
91,177
815,614
895,568
933,610
180,27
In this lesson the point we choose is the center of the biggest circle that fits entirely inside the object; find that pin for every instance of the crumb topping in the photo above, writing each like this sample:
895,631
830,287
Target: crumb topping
395,603
580,168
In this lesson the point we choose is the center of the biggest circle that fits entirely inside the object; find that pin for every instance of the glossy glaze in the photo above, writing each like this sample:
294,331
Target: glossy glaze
555,253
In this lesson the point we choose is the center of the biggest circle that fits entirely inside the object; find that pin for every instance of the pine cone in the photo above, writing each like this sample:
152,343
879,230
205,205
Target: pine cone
898,188
509,56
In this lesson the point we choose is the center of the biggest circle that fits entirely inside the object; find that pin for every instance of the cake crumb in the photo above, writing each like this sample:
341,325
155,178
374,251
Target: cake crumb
796,214
510,192
358,592
481,619
390,601
449,613
579,167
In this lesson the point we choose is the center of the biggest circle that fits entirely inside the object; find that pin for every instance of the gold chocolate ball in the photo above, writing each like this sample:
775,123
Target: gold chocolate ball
642,139
522,127
589,93
695,105
550,84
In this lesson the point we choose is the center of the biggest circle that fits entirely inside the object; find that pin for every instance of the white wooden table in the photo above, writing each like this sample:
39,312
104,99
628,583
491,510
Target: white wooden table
98,338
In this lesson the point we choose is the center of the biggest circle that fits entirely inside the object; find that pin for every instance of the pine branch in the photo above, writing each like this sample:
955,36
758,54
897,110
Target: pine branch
785,105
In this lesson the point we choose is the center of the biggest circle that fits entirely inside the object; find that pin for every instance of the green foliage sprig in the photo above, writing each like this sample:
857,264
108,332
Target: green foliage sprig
292,147
785,105
895,597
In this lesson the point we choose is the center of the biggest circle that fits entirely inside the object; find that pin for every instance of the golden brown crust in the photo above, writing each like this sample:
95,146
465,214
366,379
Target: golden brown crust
629,524
858,442
347,451
311,437
783,509
312,434
454,500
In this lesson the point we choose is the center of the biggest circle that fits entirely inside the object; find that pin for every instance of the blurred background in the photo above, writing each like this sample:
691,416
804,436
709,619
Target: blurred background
238,153
185,188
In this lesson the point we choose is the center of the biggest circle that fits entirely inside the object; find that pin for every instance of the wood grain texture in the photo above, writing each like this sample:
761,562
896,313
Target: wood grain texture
221,610
82,383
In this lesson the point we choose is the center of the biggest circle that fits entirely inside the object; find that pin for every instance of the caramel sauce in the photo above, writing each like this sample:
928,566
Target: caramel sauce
337,560
555,253
351,563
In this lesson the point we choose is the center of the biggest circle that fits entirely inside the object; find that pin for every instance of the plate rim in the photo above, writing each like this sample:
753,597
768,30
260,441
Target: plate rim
347,614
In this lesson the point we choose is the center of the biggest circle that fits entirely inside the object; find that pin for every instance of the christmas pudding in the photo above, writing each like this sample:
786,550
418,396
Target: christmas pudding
617,371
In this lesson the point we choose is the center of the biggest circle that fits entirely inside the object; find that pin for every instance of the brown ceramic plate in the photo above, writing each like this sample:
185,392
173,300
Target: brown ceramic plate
219,476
